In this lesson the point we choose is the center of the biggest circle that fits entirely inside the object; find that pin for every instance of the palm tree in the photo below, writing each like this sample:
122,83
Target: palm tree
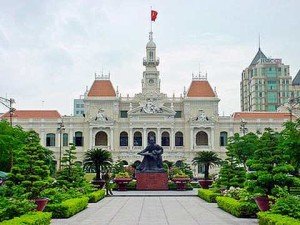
208,159
97,159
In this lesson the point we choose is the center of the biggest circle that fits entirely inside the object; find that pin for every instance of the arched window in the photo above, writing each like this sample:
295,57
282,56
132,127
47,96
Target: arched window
123,139
223,138
151,134
65,139
165,139
78,138
137,139
50,140
101,139
179,139
201,138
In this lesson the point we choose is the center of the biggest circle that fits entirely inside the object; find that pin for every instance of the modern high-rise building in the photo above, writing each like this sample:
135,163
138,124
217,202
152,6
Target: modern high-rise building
265,84
295,87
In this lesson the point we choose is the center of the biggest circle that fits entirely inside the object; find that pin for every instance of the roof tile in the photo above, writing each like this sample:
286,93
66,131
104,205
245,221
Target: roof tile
102,88
34,114
200,88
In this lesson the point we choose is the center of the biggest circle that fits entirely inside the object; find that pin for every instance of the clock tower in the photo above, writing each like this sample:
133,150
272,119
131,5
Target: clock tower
151,81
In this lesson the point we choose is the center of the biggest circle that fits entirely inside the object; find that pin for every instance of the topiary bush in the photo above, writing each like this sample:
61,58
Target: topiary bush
11,207
96,196
289,206
267,218
68,207
208,195
33,218
237,208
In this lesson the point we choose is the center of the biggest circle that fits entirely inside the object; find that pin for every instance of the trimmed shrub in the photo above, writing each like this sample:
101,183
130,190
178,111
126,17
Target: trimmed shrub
208,195
237,208
68,207
173,186
288,206
34,218
266,218
96,196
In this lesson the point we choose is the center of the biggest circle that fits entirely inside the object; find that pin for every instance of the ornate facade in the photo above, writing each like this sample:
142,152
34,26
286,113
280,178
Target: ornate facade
182,125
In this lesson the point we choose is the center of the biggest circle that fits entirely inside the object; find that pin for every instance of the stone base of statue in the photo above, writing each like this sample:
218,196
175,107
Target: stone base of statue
151,181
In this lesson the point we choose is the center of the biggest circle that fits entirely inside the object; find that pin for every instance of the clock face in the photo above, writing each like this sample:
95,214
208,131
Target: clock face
151,81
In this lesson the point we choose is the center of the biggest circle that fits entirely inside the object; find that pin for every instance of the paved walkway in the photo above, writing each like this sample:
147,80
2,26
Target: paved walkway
155,193
153,210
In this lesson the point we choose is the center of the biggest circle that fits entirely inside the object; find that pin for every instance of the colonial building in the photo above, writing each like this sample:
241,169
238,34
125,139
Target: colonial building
183,125
265,84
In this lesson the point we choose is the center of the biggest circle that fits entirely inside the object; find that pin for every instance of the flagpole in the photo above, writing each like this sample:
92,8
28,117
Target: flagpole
151,18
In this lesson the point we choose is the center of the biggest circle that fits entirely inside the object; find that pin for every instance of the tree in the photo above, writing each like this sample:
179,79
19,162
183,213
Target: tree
97,159
71,172
30,169
208,159
11,142
242,147
269,165
290,143
231,174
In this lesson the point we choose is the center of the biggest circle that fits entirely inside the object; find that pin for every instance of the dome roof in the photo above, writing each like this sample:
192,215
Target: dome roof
151,44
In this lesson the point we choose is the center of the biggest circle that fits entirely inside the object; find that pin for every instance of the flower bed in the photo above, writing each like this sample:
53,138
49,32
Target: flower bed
68,207
237,208
96,196
208,195
266,218
34,218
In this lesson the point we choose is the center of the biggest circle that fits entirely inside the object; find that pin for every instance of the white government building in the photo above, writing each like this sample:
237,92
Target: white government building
182,125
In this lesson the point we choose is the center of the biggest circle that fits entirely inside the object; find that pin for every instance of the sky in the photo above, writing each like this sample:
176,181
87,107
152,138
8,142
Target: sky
50,50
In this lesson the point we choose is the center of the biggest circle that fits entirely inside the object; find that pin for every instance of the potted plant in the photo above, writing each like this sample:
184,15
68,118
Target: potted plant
31,171
122,179
181,179
208,159
98,160
269,169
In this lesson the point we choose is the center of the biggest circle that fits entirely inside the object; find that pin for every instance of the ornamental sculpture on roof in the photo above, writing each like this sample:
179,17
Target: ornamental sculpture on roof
151,108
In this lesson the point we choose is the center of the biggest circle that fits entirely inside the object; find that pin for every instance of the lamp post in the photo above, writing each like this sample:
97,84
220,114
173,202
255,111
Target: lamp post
60,129
243,127
8,104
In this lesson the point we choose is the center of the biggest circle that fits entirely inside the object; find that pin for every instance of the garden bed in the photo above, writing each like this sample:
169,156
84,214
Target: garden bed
237,208
208,195
266,218
34,218
68,207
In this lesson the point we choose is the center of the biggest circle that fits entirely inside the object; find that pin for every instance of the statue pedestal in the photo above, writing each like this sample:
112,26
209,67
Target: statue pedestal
151,181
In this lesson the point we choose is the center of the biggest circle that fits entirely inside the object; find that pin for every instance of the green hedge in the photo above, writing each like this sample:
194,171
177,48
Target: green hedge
266,218
237,208
34,218
96,196
173,186
208,195
68,207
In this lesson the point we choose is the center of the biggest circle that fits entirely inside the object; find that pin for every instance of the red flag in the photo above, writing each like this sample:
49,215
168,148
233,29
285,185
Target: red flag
153,15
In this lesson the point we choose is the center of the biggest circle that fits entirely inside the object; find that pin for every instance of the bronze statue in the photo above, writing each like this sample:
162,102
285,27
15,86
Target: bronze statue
152,161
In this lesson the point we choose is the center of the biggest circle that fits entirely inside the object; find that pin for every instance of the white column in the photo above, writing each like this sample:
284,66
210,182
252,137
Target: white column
91,138
57,139
172,139
212,138
144,137
158,141
192,138
130,142
111,138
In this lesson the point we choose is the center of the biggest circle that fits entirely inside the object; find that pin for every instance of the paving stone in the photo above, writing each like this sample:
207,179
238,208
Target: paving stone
153,210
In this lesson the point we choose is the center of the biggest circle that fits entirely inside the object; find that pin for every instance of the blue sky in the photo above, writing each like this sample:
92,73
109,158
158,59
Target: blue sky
50,50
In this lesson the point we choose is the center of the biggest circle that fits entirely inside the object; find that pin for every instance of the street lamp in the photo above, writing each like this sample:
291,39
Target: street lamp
8,104
243,127
60,129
